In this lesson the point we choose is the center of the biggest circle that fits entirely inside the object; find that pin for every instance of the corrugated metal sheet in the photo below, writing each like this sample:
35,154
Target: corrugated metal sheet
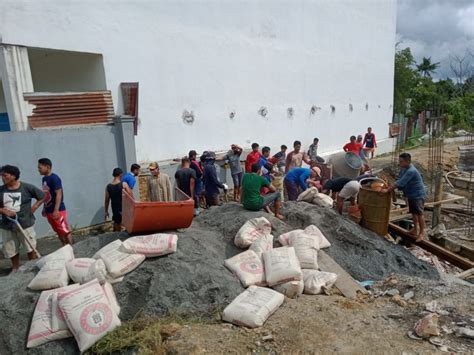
70,108
466,158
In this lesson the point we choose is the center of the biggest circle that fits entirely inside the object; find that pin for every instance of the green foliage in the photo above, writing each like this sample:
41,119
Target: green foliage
426,68
405,79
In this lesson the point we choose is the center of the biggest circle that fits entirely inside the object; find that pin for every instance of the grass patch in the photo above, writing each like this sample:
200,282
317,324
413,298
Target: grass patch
145,334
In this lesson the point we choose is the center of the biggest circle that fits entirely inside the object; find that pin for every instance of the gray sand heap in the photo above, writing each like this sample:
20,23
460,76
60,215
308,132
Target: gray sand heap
194,279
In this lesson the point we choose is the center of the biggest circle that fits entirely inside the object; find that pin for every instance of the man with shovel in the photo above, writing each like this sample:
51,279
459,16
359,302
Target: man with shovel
16,207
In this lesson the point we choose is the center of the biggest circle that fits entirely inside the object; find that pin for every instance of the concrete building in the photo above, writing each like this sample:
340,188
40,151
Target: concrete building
209,70
210,73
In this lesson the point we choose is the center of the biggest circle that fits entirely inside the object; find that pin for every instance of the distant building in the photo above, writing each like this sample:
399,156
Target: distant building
209,73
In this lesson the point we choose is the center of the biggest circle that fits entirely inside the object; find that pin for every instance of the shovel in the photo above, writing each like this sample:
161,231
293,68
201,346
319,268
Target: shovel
23,233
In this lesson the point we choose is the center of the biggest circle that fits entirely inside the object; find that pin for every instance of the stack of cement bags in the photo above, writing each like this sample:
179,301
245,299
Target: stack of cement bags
87,309
312,195
289,270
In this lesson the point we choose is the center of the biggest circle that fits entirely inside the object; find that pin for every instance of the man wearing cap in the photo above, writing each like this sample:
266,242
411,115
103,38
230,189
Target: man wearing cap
296,181
344,188
159,185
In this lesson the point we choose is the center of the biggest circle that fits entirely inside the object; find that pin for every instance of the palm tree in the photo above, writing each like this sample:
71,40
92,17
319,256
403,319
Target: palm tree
426,68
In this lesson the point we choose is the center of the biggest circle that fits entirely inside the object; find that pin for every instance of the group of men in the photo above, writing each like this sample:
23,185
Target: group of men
253,186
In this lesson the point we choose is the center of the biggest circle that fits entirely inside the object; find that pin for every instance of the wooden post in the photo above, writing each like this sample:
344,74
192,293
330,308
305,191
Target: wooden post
438,196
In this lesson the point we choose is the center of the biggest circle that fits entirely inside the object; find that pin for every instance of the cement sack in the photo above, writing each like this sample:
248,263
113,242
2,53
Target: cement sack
51,275
262,244
315,231
251,230
41,329
248,267
253,307
285,237
323,200
65,254
290,289
118,263
110,294
306,249
58,323
151,245
281,265
88,313
308,195
83,270
315,281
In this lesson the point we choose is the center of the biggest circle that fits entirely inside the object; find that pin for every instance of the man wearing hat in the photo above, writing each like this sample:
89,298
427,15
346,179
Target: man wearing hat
159,185
296,181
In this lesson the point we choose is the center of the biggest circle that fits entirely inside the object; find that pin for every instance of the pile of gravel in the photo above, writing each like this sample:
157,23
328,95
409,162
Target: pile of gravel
194,279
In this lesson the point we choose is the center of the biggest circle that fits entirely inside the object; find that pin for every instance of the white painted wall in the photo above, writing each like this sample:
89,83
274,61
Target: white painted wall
59,71
216,56
3,106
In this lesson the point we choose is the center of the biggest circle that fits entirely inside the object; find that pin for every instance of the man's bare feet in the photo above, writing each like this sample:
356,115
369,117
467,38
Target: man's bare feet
420,238
279,216
267,209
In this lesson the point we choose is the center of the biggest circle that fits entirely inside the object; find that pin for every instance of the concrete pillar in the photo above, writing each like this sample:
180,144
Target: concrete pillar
16,78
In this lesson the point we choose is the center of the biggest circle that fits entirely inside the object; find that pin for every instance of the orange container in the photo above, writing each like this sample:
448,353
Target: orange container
151,217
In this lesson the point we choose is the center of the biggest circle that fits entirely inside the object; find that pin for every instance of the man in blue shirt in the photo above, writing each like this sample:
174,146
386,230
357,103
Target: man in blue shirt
129,179
264,164
411,183
296,181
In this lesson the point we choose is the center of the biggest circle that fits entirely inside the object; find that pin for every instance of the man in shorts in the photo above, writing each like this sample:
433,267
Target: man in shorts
252,200
15,202
185,178
236,171
342,189
113,196
411,183
54,209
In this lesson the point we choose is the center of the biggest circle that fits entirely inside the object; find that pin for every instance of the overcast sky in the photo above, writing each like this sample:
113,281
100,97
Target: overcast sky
436,29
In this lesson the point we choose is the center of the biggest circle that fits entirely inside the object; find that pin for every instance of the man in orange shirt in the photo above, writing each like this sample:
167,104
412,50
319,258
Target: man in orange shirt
353,146
252,158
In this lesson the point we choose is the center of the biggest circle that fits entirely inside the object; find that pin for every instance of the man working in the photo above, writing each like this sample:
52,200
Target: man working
280,159
252,200
342,188
313,152
113,195
252,158
236,171
54,209
130,179
159,185
15,202
296,181
186,179
369,142
411,183
264,164
198,188
296,157
211,182
353,146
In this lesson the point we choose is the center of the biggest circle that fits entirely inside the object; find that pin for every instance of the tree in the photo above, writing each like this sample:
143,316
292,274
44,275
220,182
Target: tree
426,68
462,68
405,79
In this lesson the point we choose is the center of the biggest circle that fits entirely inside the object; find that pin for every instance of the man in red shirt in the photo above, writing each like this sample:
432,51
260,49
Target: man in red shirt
353,146
252,158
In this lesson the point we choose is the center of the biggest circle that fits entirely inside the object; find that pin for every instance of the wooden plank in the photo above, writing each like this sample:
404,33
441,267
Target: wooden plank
345,283
466,274
433,248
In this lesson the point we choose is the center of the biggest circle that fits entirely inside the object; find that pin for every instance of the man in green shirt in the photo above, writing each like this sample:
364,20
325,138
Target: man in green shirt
252,200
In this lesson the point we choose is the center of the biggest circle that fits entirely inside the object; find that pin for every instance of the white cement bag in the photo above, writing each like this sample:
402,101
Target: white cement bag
118,263
65,254
281,265
315,281
253,307
110,294
88,313
251,230
314,231
83,270
285,237
52,275
41,330
151,245
262,244
290,289
248,267
308,195
323,200
58,323
306,249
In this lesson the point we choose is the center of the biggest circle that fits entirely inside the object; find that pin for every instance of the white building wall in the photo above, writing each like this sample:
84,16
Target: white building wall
213,57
